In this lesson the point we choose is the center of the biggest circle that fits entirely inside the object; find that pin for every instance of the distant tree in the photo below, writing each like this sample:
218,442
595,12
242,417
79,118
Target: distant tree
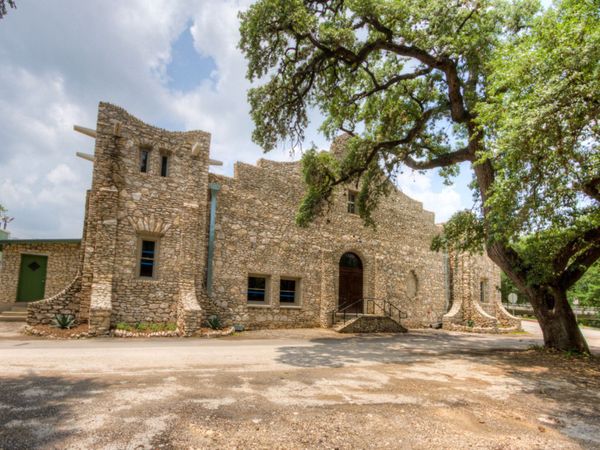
501,84
587,289
4,219
3,8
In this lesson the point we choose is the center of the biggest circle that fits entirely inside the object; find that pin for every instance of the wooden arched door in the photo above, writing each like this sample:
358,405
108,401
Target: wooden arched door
350,292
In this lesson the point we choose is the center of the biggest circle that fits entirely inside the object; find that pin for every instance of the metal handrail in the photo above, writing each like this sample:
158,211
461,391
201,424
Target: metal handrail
386,306
343,310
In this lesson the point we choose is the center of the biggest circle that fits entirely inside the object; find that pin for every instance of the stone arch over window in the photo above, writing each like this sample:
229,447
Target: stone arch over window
149,225
412,284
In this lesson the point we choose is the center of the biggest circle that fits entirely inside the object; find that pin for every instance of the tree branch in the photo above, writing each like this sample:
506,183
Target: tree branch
447,159
579,266
393,80
592,188
589,238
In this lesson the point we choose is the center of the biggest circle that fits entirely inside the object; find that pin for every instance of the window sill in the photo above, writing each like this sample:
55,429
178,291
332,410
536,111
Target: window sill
290,306
258,305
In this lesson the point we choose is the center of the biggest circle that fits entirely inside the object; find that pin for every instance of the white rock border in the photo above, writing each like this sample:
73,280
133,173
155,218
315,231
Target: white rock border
31,330
134,334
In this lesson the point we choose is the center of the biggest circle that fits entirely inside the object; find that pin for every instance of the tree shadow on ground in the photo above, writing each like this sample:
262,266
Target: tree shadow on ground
392,348
568,386
37,411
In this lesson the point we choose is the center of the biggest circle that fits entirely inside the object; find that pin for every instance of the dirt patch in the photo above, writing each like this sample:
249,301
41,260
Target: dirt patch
419,390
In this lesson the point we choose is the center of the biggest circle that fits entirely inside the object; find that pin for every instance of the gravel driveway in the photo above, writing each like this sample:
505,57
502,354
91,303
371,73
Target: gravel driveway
298,389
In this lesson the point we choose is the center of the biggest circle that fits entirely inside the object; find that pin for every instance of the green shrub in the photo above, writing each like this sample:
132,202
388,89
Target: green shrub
147,327
124,326
214,322
470,323
63,321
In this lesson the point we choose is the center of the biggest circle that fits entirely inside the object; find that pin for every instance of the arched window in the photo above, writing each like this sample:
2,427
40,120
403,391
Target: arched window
412,284
350,260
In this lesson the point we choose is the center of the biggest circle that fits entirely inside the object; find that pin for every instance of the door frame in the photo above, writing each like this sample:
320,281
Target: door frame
359,307
22,257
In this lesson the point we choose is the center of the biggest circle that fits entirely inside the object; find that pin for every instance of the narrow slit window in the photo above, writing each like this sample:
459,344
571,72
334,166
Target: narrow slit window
144,160
164,166
257,289
483,291
287,291
147,259
352,202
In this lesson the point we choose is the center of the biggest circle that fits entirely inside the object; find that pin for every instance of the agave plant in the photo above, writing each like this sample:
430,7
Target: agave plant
214,322
63,321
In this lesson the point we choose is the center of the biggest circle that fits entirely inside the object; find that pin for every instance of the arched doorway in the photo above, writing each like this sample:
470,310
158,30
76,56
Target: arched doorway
350,291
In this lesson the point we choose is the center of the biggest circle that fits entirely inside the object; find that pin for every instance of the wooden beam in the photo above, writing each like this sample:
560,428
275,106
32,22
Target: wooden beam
83,130
86,156
214,162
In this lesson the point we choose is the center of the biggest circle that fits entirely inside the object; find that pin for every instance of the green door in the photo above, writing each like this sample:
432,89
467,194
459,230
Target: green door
32,278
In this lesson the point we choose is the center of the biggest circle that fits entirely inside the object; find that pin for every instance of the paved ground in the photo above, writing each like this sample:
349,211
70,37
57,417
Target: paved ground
297,389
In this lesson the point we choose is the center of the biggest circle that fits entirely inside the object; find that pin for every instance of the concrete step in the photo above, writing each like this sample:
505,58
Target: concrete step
14,313
4,318
339,317
21,306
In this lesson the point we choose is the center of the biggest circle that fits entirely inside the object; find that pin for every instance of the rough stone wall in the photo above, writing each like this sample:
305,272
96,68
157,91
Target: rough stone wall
256,234
125,204
63,264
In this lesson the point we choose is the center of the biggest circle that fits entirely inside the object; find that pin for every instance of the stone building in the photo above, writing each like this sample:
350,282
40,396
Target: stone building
166,240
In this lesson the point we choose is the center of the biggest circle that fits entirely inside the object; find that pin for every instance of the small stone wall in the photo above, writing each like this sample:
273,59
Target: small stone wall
65,302
371,324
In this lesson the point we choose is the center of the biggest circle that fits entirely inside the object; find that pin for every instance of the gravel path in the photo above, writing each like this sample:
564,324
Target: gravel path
298,389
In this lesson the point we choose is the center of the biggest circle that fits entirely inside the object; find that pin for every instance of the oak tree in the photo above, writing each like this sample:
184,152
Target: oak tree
504,86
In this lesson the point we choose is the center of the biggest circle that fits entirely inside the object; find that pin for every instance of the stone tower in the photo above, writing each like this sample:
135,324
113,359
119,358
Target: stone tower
145,228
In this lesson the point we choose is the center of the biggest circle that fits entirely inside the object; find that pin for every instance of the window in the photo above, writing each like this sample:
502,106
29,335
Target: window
352,202
257,289
288,291
144,160
164,166
148,254
483,291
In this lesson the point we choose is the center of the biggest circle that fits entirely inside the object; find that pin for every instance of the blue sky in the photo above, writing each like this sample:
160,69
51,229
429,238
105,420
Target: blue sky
172,63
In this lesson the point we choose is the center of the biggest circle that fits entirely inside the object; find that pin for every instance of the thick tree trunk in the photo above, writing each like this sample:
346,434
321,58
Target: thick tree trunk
550,305
557,320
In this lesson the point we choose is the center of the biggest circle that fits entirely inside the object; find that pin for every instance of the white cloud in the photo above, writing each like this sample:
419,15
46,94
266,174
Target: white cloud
61,174
59,59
